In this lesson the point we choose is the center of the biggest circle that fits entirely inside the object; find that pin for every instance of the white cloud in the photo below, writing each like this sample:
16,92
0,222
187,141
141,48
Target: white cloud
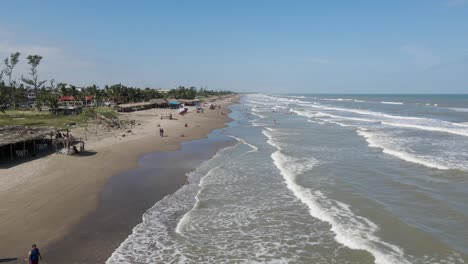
420,55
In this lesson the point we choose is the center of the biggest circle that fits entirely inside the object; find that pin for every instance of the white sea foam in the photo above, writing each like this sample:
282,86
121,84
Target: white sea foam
419,123
392,103
315,121
186,217
321,114
336,123
353,231
255,123
458,109
270,139
454,130
391,149
152,236
300,96
366,112
253,147
338,99
257,114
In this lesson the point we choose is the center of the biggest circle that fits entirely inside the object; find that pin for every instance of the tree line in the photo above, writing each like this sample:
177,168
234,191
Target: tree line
47,92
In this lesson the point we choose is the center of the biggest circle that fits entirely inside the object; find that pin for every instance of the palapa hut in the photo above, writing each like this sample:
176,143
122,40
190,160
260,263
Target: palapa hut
160,103
190,102
21,141
135,106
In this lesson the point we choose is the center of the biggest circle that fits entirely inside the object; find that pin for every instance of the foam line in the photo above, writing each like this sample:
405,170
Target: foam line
458,109
356,232
156,224
373,143
270,139
449,127
253,147
458,132
392,103
186,217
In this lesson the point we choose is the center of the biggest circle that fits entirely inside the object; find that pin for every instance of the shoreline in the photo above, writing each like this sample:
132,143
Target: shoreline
128,195
56,192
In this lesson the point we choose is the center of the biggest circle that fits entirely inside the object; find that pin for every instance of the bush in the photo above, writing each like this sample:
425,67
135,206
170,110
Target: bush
90,112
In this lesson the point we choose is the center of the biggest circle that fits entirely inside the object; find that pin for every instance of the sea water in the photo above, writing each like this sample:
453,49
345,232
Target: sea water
321,179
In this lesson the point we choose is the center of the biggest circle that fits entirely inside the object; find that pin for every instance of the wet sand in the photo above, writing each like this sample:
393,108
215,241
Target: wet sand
41,201
127,196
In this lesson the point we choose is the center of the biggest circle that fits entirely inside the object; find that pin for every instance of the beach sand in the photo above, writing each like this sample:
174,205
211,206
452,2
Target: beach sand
43,200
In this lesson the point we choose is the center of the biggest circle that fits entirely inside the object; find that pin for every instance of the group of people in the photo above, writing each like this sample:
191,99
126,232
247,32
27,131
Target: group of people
60,135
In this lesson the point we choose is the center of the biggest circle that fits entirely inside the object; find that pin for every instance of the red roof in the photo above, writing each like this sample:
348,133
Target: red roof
89,98
67,98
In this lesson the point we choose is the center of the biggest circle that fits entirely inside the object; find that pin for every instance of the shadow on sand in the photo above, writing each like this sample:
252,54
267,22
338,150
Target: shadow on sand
5,260
6,163
87,153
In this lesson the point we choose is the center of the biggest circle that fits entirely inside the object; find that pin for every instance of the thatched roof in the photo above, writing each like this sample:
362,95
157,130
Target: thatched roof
159,101
14,134
135,104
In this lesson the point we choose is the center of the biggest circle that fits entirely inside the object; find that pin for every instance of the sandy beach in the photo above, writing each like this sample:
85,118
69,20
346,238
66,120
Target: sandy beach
42,200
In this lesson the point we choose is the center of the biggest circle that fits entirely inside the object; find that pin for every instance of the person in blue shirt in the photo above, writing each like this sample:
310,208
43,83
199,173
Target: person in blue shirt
34,255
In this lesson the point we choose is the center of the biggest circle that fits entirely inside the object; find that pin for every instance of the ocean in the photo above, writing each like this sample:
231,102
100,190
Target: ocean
321,179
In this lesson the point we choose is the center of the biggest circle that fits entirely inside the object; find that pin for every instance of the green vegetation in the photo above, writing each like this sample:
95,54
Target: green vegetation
35,118
191,93
108,112
40,93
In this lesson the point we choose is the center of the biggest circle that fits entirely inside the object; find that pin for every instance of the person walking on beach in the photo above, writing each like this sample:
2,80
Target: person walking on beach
34,255
161,132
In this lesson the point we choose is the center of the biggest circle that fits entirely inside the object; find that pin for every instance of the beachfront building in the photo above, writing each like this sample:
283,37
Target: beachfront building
68,105
90,101
163,91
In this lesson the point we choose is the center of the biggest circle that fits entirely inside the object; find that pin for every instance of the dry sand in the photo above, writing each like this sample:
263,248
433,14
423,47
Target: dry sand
41,200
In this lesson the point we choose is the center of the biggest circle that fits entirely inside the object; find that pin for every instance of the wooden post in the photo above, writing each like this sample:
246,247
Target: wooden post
34,146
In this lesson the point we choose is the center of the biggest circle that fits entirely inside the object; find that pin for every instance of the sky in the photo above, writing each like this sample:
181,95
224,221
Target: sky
310,46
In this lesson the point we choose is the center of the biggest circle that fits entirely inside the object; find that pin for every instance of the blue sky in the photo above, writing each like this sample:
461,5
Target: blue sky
407,46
